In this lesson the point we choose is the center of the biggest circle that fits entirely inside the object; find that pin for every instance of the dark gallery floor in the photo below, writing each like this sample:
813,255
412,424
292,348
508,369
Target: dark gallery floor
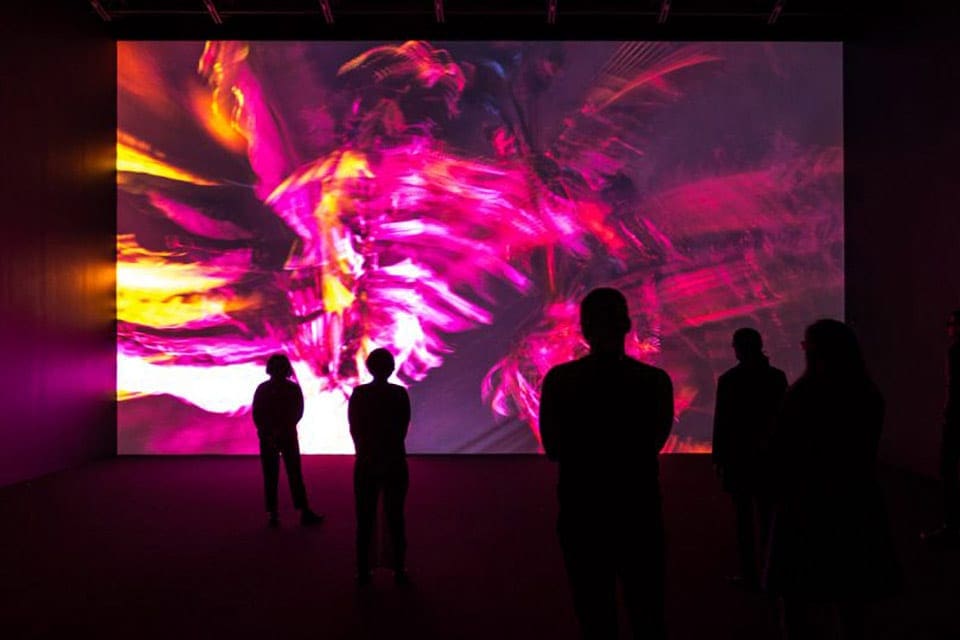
178,547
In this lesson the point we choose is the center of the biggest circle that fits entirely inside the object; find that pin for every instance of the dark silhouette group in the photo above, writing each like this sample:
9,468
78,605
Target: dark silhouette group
799,462
379,414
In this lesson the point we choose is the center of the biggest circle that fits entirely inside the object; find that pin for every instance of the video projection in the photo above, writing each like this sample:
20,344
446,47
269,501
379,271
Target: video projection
453,202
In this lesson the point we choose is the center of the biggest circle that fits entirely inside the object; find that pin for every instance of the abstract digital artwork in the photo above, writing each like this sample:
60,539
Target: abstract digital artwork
453,202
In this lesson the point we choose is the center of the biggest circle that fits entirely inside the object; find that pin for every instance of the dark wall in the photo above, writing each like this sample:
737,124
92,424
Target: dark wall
902,133
57,204
57,207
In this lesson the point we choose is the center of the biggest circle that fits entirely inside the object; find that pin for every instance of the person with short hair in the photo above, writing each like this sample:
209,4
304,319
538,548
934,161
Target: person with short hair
379,416
749,397
277,408
604,419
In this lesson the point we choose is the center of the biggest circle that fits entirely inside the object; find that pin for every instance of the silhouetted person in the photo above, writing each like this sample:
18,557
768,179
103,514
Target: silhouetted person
379,414
948,535
277,408
830,547
749,397
604,419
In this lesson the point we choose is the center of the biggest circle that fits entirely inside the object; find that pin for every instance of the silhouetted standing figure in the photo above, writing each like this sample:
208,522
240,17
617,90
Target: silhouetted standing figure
948,535
604,419
830,546
379,415
749,397
277,408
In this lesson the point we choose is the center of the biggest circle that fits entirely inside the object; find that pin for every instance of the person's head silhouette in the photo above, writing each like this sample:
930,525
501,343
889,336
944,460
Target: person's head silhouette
380,364
748,345
278,366
605,320
832,349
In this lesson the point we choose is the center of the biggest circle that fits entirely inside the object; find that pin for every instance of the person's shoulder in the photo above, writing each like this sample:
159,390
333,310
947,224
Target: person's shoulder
644,369
729,374
803,386
778,373
361,389
565,369
872,391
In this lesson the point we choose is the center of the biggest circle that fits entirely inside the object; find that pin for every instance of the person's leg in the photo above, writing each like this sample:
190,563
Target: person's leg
796,620
948,535
764,523
642,572
592,579
365,500
394,496
745,515
850,620
270,462
949,462
290,449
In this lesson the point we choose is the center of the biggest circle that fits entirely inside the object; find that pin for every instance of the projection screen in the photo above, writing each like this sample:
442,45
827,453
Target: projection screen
453,202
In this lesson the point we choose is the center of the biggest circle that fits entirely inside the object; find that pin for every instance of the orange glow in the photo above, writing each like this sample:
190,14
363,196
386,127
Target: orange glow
222,110
594,217
683,397
352,164
137,75
336,297
678,444
154,291
134,156
129,395
652,77
339,166
220,126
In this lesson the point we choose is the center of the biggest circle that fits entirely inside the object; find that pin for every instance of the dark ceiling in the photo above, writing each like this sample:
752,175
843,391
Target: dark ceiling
480,19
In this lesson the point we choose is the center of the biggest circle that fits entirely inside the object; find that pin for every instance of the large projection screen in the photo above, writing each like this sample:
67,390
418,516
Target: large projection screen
453,202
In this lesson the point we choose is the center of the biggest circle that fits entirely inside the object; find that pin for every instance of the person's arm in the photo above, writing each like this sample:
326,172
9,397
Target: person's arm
951,411
782,447
259,417
878,409
298,403
663,420
720,426
404,411
353,418
550,416
782,386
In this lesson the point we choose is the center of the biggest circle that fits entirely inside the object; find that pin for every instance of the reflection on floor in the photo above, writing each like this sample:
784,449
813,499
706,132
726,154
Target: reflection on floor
178,547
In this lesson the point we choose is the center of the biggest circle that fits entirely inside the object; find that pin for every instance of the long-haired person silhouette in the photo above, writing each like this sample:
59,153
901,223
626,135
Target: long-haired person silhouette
830,546
604,419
